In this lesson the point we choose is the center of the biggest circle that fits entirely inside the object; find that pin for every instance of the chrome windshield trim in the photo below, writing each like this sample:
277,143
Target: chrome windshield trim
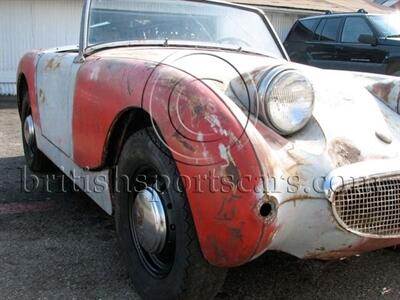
84,32
168,43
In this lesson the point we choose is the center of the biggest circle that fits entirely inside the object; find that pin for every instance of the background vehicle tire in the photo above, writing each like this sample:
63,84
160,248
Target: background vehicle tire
177,269
35,159
394,69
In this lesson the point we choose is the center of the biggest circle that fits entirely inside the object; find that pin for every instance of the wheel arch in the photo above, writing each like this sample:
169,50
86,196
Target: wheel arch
22,86
126,123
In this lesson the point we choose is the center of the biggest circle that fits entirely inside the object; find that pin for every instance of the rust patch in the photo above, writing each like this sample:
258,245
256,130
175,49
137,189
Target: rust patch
332,255
218,253
236,233
42,96
365,245
183,142
52,65
388,92
226,213
198,108
344,153
382,90
129,87
233,172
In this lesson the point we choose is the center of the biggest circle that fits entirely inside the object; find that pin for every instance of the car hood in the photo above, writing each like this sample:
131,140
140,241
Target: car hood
349,124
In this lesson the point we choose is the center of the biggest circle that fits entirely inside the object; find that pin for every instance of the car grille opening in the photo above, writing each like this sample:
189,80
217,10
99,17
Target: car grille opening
369,207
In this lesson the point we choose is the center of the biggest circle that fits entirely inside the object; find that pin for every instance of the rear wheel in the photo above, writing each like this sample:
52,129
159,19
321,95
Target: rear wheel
155,227
394,69
36,160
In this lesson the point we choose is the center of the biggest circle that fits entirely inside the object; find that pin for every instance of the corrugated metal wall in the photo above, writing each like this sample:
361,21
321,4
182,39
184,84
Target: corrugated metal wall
282,22
27,24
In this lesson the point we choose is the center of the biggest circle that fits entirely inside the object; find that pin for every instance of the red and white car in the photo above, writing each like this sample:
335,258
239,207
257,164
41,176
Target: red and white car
187,121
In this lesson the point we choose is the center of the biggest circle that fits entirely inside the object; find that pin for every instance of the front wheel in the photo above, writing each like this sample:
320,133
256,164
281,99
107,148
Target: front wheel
155,226
35,159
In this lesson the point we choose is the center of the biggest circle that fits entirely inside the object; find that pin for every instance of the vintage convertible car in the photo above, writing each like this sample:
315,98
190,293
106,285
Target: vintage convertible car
187,121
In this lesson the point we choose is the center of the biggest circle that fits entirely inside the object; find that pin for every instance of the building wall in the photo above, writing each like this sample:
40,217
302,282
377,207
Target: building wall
282,21
26,24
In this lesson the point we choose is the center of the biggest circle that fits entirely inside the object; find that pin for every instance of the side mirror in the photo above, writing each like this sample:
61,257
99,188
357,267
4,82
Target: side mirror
367,39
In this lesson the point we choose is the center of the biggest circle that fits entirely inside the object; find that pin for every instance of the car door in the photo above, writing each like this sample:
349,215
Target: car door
322,50
357,56
55,82
298,39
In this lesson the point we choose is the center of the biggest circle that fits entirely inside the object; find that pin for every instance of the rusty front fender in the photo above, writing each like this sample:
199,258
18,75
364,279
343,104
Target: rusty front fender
218,164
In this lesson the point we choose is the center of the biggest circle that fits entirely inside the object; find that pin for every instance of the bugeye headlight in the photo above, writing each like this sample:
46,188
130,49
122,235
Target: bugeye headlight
287,101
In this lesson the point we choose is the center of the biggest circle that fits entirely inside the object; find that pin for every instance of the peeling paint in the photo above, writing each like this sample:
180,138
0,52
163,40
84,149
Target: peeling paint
388,91
344,153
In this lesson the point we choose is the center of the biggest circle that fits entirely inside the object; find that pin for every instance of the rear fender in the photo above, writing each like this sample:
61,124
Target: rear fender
27,68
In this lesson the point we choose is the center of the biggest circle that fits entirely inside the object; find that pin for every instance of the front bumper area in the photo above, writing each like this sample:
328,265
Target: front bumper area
359,212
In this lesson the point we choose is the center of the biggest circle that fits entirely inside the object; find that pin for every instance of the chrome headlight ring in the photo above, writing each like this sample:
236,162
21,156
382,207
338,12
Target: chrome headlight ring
286,99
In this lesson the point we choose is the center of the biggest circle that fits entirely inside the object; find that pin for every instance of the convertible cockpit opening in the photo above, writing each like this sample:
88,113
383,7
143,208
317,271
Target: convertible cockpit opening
179,21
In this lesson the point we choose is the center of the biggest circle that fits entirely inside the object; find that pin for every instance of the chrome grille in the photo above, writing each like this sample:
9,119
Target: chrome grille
369,207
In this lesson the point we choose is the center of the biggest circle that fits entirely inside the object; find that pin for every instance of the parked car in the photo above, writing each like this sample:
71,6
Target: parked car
354,41
187,122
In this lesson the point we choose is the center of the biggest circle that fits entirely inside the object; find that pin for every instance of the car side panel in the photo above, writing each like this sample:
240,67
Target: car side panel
104,89
56,74
361,57
226,213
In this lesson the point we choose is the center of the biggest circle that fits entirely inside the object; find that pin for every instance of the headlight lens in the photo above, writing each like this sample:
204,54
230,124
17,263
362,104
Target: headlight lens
288,102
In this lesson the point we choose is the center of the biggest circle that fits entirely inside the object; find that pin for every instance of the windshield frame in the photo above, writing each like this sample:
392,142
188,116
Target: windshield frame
86,50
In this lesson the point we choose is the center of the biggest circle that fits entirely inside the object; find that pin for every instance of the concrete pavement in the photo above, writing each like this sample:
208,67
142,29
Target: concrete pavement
62,246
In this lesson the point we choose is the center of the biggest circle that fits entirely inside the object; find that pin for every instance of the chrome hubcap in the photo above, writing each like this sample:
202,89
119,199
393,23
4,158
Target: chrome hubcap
29,131
150,221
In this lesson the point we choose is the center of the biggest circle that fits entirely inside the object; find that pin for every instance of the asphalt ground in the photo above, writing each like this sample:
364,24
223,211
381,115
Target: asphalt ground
56,245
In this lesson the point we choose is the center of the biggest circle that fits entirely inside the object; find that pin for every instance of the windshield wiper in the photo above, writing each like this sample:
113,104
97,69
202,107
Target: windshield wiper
393,36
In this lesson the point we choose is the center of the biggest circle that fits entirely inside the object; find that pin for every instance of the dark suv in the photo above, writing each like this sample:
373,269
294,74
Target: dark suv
353,41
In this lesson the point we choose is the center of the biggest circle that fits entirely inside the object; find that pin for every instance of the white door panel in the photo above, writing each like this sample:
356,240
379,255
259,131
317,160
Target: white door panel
56,76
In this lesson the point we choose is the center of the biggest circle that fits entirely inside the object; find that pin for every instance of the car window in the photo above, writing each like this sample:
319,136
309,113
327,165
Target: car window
331,28
318,31
353,28
303,31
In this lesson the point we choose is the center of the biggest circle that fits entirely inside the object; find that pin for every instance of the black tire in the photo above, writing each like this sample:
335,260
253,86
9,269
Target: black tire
35,159
394,69
184,273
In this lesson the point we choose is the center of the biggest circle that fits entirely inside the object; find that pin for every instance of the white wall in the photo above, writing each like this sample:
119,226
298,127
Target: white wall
27,24
282,22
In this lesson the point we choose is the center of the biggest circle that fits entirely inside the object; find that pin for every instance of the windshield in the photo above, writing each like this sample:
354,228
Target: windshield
169,21
388,26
